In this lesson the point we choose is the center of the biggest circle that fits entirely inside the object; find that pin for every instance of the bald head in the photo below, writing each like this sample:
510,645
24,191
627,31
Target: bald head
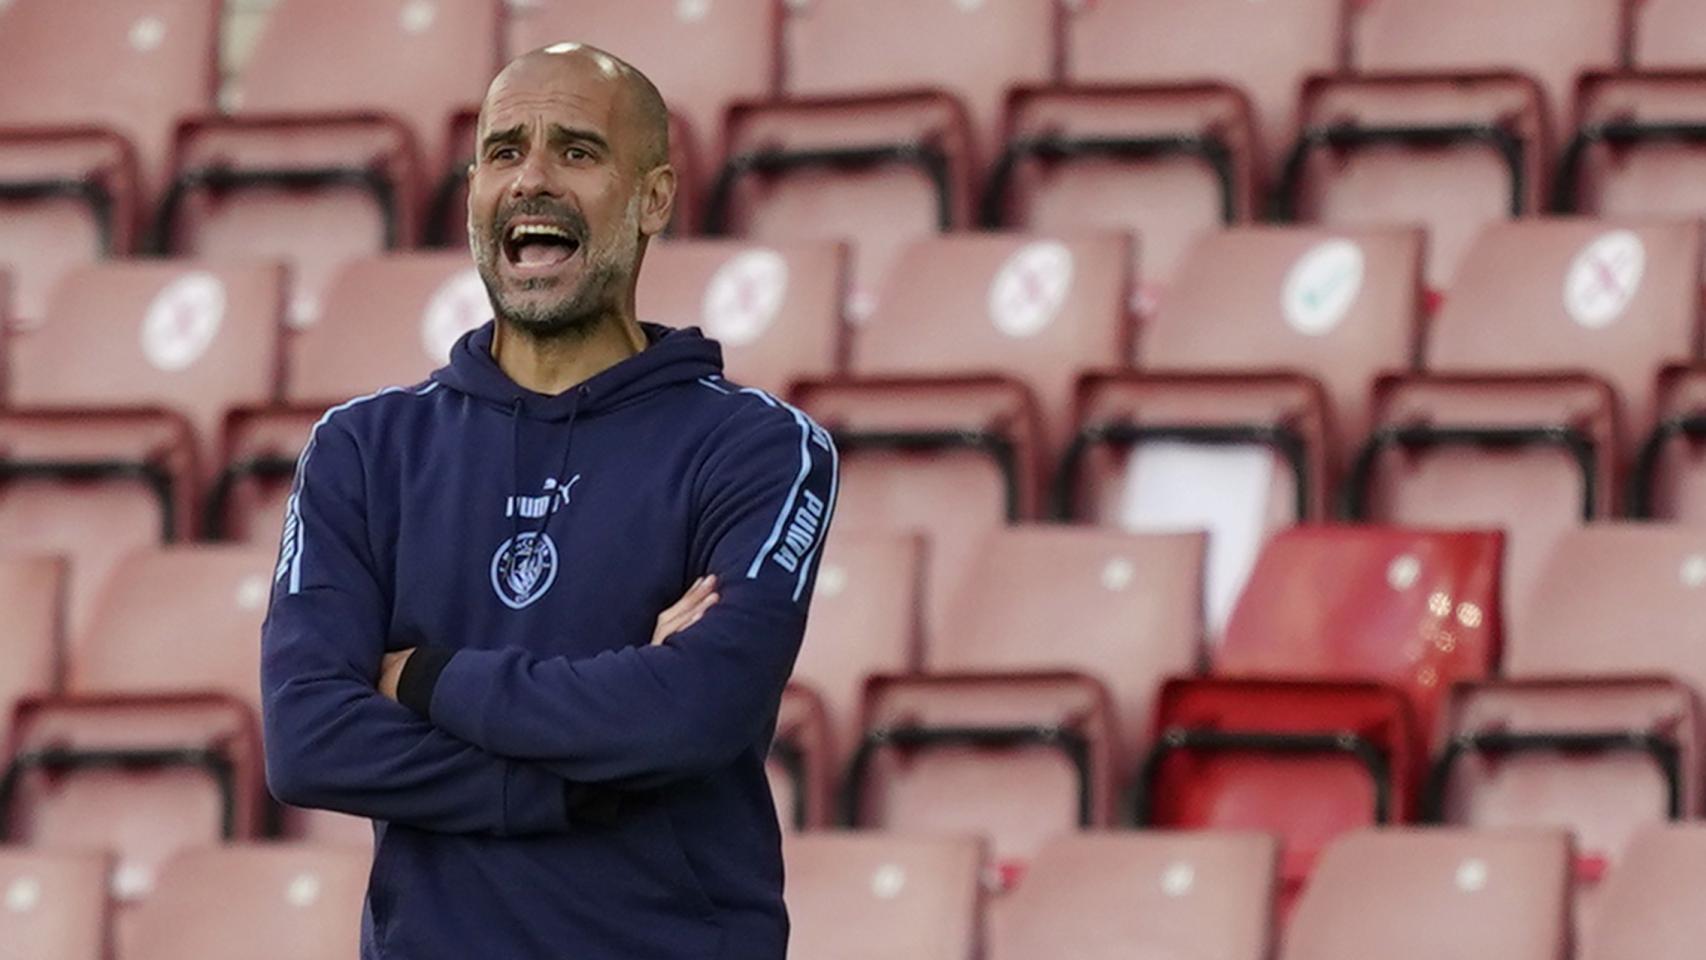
641,112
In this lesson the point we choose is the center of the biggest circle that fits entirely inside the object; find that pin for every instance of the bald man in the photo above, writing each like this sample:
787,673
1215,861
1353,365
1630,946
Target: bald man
533,616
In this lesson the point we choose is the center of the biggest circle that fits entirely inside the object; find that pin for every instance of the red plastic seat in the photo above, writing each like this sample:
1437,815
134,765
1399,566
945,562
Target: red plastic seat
117,401
321,159
92,93
1019,729
155,745
1266,49
869,895
1539,385
32,592
1428,894
1649,906
1631,153
1252,389
776,309
275,902
1110,896
961,385
53,904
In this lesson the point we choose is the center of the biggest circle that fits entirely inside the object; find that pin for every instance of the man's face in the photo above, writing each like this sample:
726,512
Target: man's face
556,194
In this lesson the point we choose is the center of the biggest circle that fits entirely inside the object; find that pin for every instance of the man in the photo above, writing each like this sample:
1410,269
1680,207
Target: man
465,642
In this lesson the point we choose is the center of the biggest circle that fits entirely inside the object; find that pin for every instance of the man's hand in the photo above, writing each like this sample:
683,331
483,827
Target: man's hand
391,671
701,596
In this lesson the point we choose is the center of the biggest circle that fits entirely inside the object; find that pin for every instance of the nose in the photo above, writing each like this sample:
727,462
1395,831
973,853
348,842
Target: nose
533,177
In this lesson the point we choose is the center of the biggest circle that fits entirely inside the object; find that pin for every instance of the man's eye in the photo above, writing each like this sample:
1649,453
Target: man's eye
577,154
505,153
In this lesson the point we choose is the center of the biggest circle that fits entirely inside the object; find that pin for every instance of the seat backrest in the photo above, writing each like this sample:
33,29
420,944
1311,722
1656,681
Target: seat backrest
1105,896
418,60
53,904
1415,608
976,51
1619,298
702,54
1134,603
276,902
1039,309
1342,306
775,308
385,321
853,895
1424,894
1265,48
32,592
195,337
1652,176
1647,909
1555,41
136,67
1667,35
1617,599
177,619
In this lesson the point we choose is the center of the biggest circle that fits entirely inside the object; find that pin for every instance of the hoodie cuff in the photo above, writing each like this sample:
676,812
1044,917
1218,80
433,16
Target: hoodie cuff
420,677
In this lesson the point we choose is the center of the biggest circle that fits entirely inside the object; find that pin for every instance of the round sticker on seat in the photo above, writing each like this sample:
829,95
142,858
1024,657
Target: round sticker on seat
457,306
1178,879
24,893
147,34
744,296
1029,289
1321,287
691,11
303,891
888,881
1604,278
183,320
418,15
831,579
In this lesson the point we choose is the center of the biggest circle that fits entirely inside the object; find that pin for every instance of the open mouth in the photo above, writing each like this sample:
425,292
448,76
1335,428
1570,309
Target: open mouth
539,246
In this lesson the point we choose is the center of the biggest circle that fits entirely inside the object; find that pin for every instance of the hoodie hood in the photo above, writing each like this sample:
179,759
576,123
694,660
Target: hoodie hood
671,356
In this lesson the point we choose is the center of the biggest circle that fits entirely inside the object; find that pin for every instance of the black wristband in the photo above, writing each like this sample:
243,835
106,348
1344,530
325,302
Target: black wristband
420,676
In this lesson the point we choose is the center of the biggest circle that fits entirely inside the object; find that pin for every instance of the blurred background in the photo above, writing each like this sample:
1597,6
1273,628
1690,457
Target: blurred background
1273,439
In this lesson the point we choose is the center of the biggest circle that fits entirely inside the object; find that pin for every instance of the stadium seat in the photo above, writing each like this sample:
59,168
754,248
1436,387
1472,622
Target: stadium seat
1667,35
1517,423
1452,153
53,905
1649,908
320,160
1267,49
852,896
864,622
155,744
92,92
1168,164
1595,724
1636,147
1108,896
1252,389
1669,479
776,309
272,902
1019,729
32,592
1428,894
117,402
961,385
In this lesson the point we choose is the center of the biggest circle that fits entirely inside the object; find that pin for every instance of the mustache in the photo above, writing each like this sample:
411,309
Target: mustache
564,216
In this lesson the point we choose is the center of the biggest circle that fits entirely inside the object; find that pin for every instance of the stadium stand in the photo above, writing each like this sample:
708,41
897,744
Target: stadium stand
1103,896
53,904
863,895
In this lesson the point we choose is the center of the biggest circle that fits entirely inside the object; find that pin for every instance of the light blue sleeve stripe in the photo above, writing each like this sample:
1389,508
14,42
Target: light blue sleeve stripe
793,494
828,517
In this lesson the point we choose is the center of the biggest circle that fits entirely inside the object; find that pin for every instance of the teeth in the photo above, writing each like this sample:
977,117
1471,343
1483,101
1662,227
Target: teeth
538,230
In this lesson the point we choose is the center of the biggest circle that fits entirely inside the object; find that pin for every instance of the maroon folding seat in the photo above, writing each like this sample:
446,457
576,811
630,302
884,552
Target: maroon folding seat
53,904
1426,894
1322,693
1595,723
155,744
117,398
1635,147
775,308
1649,907
961,385
32,592
91,95
1667,35
1252,389
271,902
1264,49
1539,385
875,895
864,622
1020,729
319,160
1106,896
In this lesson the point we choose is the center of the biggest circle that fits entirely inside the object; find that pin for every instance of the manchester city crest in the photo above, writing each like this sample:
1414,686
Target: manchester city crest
524,568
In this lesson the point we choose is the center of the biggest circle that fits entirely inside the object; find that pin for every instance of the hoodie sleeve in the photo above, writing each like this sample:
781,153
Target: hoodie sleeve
332,741
648,714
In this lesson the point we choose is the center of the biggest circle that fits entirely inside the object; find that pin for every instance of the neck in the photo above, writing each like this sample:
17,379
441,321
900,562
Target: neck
556,365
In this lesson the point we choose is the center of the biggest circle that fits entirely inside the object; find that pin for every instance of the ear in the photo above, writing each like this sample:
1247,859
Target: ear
657,200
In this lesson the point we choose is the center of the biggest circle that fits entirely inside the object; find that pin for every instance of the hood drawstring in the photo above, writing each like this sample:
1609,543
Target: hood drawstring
563,481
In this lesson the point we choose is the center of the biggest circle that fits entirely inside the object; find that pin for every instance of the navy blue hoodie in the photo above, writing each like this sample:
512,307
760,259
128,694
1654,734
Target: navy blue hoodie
552,786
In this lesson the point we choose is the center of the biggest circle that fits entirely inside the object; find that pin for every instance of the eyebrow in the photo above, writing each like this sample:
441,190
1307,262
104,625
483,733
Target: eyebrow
559,134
